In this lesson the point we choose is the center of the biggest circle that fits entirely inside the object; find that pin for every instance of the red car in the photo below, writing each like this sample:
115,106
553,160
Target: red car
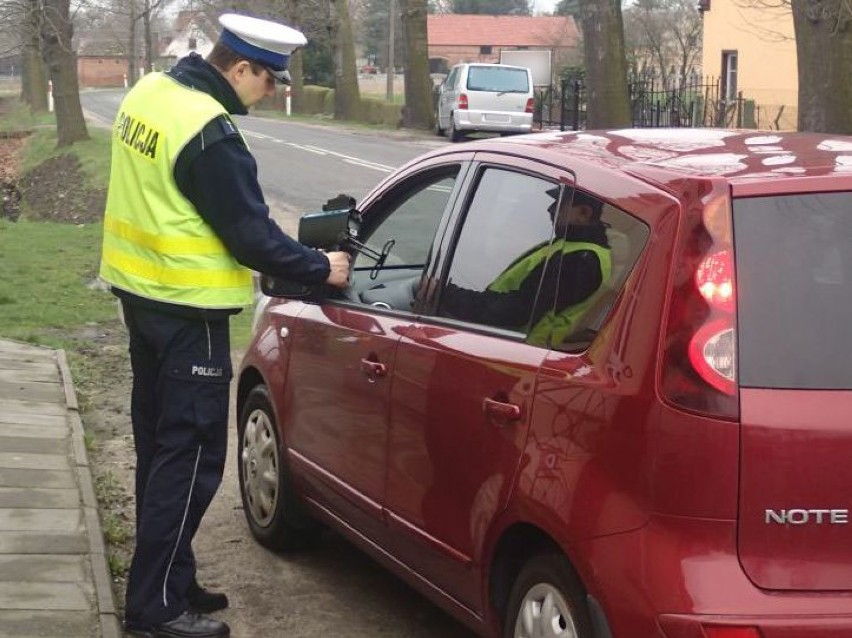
629,425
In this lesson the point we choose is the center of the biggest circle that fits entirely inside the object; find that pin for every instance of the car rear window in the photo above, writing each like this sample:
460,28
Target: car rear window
495,78
794,290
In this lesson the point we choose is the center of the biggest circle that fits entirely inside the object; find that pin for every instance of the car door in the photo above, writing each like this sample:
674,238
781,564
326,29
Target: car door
342,354
464,380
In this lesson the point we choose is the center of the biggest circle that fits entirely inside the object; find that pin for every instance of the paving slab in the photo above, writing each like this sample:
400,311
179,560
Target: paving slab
47,624
52,498
59,430
18,477
32,445
44,543
28,461
14,372
47,568
33,390
8,417
46,596
27,519
32,408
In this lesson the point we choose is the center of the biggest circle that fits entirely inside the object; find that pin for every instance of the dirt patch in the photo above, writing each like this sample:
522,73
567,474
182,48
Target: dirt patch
9,166
56,191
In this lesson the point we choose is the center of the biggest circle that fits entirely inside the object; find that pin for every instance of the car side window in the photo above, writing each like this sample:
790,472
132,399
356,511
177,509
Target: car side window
599,249
501,252
409,223
400,228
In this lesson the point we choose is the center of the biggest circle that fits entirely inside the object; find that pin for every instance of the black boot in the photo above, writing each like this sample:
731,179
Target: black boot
187,625
203,601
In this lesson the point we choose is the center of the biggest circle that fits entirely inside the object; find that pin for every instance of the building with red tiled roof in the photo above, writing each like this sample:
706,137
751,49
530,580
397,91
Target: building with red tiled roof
454,38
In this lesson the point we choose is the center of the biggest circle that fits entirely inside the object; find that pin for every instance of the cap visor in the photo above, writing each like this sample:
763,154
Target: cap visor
282,77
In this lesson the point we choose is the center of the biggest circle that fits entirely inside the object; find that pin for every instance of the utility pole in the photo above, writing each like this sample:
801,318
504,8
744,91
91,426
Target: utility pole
391,22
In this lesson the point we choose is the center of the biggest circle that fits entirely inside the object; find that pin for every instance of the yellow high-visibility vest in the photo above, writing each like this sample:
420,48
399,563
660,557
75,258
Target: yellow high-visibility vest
554,327
156,245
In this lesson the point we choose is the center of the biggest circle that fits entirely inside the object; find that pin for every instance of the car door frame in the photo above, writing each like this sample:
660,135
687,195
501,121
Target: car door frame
444,557
332,497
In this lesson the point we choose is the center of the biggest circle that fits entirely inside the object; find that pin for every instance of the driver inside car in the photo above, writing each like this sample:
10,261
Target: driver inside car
571,270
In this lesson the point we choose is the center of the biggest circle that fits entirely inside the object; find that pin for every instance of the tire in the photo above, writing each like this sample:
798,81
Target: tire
452,133
438,130
547,600
275,515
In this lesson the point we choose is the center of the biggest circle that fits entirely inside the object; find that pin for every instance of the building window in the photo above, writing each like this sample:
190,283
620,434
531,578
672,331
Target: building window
729,75
485,49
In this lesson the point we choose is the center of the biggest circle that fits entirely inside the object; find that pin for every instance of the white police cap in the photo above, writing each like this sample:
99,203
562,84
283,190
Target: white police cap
262,41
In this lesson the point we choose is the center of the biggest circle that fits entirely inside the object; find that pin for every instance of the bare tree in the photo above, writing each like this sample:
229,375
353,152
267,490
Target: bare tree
347,96
606,66
824,52
418,111
56,32
664,34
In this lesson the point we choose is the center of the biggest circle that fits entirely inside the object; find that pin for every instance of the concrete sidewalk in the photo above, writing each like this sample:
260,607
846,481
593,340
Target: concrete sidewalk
54,579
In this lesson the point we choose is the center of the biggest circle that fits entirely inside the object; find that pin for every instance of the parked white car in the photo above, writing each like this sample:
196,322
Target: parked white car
485,97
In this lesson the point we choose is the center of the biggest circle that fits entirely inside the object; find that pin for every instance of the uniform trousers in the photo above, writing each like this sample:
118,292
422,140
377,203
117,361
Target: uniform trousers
179,409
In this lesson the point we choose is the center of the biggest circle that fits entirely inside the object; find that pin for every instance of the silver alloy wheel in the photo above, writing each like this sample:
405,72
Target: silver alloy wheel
545,613
259,464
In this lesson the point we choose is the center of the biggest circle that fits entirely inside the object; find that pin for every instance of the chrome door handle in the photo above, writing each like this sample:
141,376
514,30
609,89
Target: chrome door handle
373,369
501,412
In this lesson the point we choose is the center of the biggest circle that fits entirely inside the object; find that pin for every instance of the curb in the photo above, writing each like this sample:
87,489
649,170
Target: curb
109,623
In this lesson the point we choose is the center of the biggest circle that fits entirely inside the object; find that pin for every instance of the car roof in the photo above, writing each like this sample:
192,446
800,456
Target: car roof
661,155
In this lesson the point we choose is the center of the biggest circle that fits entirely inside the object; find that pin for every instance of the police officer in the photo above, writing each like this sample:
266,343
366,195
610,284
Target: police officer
185,222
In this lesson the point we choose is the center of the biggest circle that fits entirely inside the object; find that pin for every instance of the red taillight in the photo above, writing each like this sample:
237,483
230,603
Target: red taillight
699,371
530,106
462,102
715,280
731,632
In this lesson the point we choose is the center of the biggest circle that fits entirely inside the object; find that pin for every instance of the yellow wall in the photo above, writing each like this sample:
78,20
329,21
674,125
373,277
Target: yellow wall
763,38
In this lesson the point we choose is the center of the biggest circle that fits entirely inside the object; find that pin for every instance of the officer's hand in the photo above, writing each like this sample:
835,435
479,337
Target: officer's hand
339,275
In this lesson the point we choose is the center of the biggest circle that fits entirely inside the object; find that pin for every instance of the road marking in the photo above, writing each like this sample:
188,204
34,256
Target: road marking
356,161
375,167
304,148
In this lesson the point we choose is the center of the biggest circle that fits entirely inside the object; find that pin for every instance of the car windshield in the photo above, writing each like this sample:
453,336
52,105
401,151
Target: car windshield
497,78
794,281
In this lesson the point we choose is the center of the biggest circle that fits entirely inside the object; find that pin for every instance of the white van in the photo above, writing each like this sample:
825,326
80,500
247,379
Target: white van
485,97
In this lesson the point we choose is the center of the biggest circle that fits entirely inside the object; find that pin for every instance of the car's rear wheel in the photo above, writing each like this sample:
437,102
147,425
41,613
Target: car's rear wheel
438,130
547,601
454,134
275,515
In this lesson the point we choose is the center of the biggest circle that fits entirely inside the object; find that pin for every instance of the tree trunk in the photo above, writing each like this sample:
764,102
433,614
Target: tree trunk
34,74
824,50
418,111
607,101
149,46
132,60
347,97
297,77
61,62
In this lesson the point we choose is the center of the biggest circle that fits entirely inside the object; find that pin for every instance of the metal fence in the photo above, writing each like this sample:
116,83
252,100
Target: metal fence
697,102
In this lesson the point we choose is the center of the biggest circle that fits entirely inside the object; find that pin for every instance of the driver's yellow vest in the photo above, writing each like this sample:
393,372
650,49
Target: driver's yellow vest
156,245
554,326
